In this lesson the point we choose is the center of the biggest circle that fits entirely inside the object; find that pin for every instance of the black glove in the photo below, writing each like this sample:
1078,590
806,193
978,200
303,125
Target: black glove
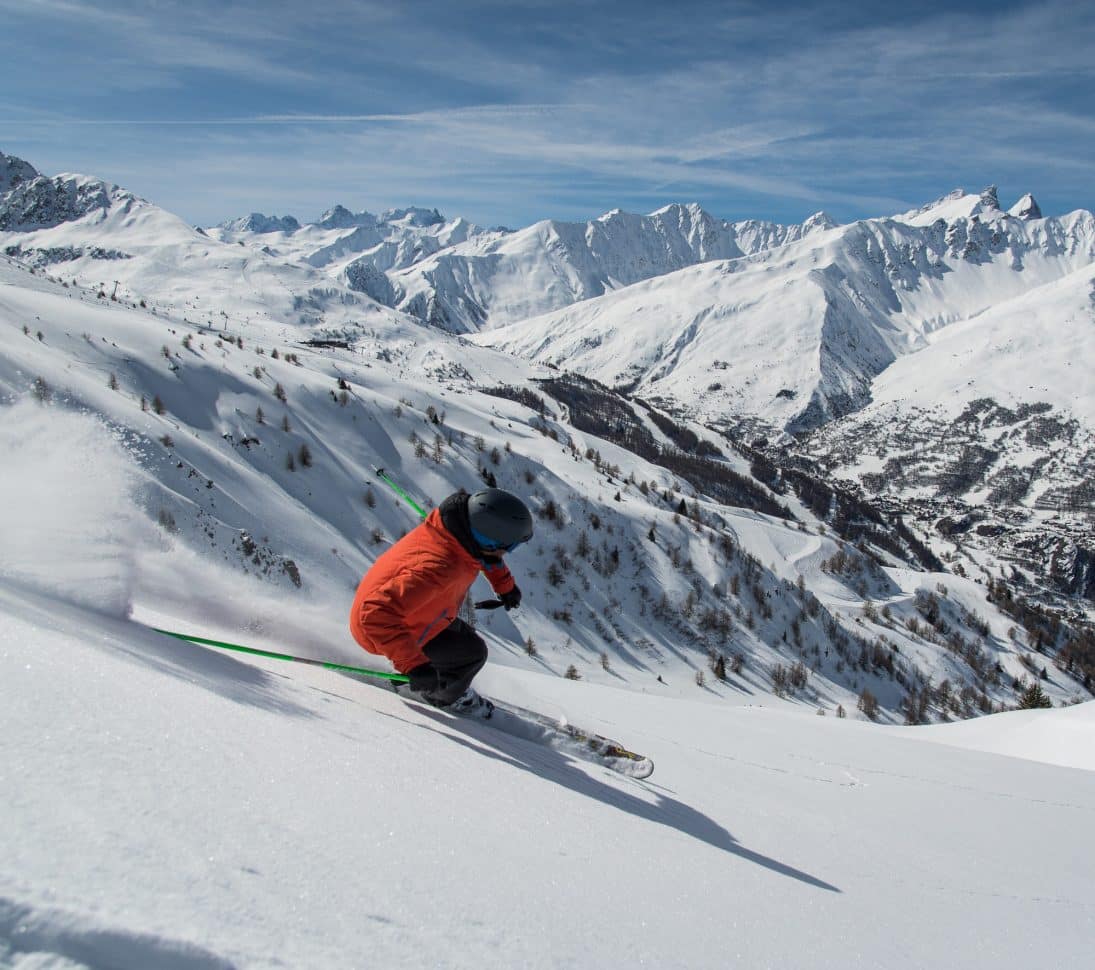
512,599
424,678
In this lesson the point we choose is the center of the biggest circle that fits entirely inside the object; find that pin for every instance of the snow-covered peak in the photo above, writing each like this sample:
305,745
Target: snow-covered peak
693,213
675,210
1026,208
414,216
340,217
460,226
13,172
960,204
257,222
819,221
952,196
850,300
43,202
552,264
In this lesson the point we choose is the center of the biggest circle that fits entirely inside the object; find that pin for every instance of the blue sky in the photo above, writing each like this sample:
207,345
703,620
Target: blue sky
509,112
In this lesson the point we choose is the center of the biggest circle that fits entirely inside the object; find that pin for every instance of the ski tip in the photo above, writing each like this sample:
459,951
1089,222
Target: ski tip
634,767
620,759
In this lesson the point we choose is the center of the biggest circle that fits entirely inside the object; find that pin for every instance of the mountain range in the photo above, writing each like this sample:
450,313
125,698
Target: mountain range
741,439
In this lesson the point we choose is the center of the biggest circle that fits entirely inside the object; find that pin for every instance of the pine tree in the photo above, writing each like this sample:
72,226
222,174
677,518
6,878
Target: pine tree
1034,697
868,704
720,667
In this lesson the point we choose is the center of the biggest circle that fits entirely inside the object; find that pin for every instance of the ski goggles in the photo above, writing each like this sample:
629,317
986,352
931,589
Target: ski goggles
490,545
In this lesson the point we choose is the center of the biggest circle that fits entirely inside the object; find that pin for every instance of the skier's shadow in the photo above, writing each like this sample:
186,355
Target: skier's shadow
544,761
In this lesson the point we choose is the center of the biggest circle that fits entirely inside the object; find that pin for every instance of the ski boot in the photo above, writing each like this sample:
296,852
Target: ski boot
471,704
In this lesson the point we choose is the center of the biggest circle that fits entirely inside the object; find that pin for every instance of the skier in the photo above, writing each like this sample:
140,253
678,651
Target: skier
406,604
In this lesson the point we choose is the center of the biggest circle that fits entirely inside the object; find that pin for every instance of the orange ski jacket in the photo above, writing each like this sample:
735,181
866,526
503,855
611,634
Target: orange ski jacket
415,589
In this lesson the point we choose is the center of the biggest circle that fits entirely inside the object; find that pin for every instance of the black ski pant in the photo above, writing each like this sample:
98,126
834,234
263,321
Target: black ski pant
458,653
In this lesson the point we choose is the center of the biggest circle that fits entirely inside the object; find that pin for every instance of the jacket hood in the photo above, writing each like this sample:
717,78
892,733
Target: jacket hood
454,517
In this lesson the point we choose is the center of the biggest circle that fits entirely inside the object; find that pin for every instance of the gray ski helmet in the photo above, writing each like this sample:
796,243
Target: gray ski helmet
498,519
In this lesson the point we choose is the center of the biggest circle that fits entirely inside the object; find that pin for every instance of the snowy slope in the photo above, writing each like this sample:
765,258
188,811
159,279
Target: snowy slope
225,481
172,807
795,335
491,281
460,277
988,435
1017,374
704,337
341,239
283,492
98,235
1065,738
1034,346
166,805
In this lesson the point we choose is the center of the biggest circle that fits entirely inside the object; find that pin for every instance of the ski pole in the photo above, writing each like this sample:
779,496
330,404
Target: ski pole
221,645
330,665
489,604
398,491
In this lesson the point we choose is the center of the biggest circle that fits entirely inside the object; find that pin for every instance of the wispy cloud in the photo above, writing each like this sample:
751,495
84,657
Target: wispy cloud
140,45
747,111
